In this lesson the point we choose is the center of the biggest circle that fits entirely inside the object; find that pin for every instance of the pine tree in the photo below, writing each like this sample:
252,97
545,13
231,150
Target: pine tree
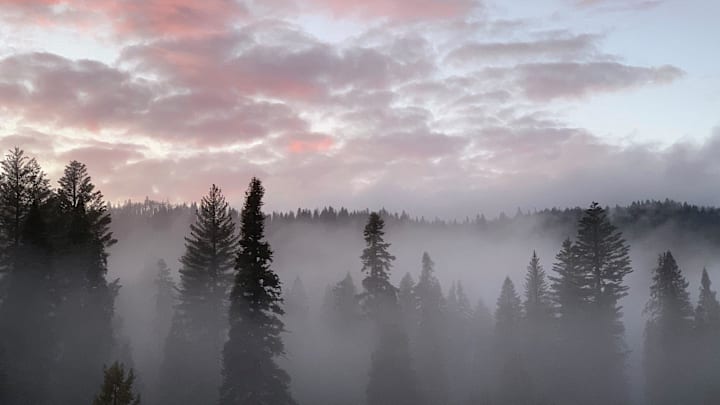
707,327
667,333
513,385
508,313
165,295
392,379
603,260
296,302
408,301
26,310
85,316
431,329
191,369
707,312
567,287
537,298
482,332
343,306
117,388
250,372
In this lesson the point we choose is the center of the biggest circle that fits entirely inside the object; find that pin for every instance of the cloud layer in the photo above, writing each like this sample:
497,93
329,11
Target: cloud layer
427,104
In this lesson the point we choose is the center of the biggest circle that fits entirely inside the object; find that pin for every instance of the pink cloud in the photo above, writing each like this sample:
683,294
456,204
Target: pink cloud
310,143
399,9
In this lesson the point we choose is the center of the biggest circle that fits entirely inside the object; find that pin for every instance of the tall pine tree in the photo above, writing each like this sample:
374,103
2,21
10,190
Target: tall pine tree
28,303
85,314
667,334
250,372
117,387
392,379
191,369
537,297
603,260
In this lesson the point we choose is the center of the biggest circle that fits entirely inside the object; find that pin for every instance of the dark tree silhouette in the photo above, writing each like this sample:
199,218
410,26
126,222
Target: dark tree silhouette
392,379
117,387
537,304
250,372
86,310
27,306
191,369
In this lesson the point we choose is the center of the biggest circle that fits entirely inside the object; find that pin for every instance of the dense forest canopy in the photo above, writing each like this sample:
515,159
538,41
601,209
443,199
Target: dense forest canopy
202,302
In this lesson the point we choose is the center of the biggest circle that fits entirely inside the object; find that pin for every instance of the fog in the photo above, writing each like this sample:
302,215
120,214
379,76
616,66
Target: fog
330,365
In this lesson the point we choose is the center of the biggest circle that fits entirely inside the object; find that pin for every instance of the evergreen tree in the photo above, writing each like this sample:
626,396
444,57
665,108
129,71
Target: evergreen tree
408,301
537,298
117,388
165,292
26,310
191,368
430,353
707,312
85,315
513,385
343,305
296,302
482,332
392,379
666,334
707,326
567,286
250,372
508,313
603,260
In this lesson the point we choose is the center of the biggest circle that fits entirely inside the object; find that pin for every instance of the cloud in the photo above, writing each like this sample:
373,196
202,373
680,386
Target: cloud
570,48
402,10
543,81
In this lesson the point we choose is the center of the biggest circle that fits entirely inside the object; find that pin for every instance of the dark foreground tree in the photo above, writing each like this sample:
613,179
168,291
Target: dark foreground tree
28,303
512,384
117,387
191,369
250,372
392,379
86,309
667,335
603,260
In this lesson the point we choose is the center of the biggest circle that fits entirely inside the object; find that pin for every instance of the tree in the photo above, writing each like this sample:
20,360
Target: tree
392,379
666,334
508,313
707,312
250,372
603,260
165,295
85,315
117,388
513,383
568,285
296,302
707,327
537,298
343,306
191,368
431,329
26,273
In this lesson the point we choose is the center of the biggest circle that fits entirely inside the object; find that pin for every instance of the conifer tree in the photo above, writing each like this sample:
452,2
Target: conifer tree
513,384
117,387
603,259
250,372
296,301
508,313
392,379
568,284
191,369
537,299
408,301
667,333
85,315
164,299
343,305
431,329
482,332
707,312
707,357
26,310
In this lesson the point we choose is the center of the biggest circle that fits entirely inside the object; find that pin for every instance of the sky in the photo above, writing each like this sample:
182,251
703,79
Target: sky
441,108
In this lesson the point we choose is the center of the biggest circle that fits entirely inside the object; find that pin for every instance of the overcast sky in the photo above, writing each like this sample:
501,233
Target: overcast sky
439,107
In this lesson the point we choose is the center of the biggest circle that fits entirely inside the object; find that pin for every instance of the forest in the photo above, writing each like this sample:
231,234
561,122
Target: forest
203,303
